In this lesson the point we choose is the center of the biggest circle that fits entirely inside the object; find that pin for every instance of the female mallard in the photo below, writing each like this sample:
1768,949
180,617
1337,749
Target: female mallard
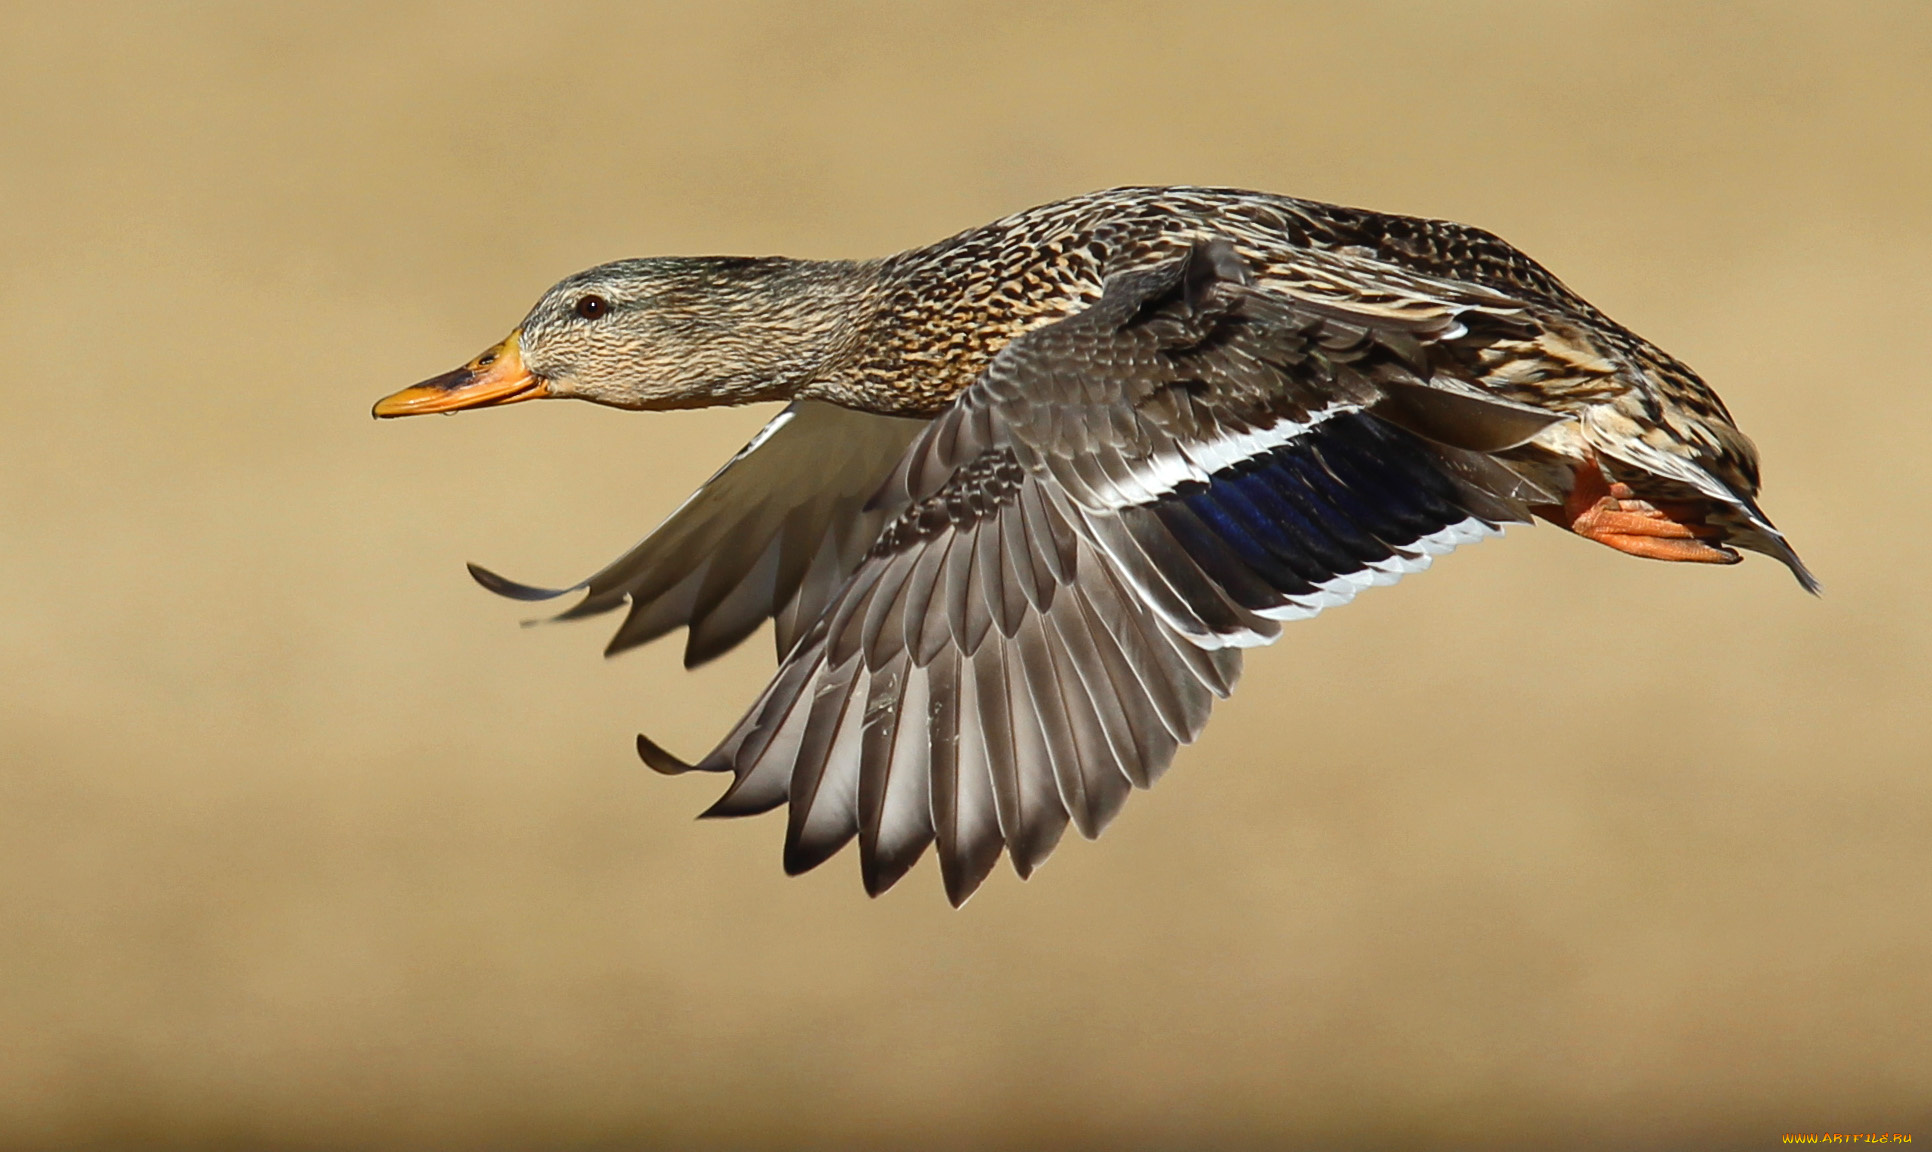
1038,484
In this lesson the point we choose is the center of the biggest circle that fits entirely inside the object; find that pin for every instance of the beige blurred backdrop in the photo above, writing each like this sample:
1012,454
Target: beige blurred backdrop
306,844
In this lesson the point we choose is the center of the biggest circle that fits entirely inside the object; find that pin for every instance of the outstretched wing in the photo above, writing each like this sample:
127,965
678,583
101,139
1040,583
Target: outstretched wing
772,535
1084,542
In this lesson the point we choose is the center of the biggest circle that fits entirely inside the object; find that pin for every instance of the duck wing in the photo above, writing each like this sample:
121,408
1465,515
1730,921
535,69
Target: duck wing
1079,548
771,535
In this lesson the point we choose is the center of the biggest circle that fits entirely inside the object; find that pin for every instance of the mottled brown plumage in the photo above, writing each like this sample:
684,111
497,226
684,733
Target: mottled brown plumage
933,317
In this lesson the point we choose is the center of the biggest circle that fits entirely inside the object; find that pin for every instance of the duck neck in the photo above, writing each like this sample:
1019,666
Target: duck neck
801,323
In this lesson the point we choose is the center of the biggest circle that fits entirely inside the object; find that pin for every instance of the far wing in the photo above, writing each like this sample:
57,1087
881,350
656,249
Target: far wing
771,535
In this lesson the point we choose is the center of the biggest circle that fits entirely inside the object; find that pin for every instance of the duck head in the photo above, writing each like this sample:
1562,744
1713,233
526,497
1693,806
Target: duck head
663,332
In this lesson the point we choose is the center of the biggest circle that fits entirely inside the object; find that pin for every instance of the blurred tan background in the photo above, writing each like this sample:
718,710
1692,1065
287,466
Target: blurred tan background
305,844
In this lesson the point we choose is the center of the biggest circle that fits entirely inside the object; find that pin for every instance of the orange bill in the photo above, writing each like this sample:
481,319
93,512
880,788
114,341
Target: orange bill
495,377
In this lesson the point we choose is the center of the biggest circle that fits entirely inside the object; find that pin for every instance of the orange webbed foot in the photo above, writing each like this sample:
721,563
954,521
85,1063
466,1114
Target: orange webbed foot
1611,514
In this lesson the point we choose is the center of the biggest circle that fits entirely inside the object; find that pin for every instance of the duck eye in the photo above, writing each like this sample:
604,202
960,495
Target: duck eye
591,307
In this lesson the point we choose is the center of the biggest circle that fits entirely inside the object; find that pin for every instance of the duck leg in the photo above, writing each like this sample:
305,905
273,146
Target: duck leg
1609,512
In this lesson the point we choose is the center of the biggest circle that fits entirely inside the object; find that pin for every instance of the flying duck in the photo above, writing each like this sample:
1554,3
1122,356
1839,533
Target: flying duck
1037,485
